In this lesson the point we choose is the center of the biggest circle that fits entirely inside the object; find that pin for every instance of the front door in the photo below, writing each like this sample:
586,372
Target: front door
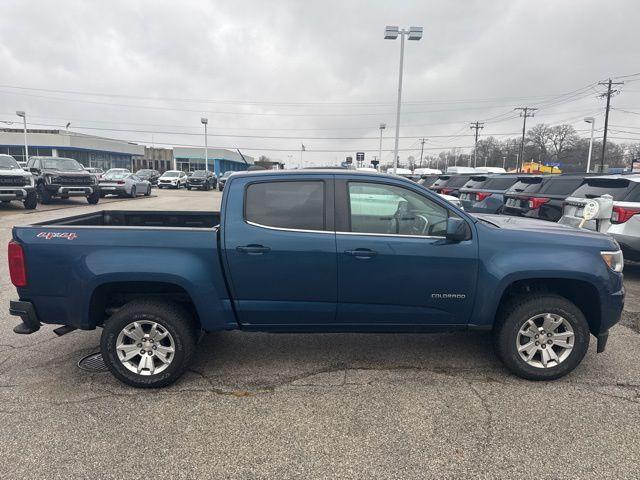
394,265
281,251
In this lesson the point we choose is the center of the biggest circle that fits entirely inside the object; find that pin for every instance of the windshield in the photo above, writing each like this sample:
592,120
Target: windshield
170,174
199,173
118,175
144,172
7,162
62,164
227,174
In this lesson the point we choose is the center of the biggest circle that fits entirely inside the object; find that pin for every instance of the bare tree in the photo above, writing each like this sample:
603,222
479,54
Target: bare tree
563,137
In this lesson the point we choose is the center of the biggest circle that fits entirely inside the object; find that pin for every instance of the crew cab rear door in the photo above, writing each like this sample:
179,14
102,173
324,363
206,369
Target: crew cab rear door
394,265
280,249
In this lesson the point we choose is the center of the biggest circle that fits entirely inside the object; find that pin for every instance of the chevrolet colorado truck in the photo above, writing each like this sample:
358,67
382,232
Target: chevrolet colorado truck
316,251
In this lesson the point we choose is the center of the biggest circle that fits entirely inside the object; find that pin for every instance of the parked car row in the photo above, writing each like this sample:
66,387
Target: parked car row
554,198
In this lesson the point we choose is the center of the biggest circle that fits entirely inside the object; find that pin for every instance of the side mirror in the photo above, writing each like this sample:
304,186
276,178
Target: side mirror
34,170
456,230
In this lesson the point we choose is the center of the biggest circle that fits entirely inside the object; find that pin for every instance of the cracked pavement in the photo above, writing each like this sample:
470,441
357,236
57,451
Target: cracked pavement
257,405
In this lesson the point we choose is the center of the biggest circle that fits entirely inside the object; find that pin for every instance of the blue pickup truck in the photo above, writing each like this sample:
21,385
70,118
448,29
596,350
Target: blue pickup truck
316,251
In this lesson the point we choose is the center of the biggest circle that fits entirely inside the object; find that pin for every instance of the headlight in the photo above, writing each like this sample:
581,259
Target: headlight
614,260
51,179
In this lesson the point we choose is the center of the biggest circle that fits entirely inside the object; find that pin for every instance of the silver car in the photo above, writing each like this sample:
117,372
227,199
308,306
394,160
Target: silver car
624,223
121,183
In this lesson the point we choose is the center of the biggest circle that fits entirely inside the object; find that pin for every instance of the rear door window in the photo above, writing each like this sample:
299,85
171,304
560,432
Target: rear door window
618,188
297,205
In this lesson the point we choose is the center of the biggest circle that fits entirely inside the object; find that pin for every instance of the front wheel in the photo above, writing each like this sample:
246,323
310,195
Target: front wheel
542,337
31,201
94,198
148,343
43,195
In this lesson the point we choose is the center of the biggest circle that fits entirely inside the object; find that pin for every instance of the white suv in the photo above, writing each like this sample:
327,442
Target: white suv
624,224
172,179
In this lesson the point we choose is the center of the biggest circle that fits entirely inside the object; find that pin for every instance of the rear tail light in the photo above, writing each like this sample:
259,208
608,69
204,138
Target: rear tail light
480,196
622,214
537,202
120,182
446,191
17,269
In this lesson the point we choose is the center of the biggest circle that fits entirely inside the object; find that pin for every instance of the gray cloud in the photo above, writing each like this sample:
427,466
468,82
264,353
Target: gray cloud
330,54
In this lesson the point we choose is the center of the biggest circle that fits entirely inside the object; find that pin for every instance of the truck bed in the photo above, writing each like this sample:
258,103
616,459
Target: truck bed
128,218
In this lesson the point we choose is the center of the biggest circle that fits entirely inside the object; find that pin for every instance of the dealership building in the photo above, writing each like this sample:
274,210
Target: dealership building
220,160
89,150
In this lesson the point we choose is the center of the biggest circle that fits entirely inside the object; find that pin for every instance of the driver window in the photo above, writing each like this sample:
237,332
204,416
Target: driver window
391,210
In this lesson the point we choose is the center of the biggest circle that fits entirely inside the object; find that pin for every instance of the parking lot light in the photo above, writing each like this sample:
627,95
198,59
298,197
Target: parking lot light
391,32
22,114
592,121
205,121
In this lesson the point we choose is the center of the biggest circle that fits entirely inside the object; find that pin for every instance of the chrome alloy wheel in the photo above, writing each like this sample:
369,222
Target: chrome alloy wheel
545,340
145,347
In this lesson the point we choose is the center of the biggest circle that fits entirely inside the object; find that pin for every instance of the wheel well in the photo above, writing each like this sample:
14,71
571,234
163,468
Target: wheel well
583,294
108,298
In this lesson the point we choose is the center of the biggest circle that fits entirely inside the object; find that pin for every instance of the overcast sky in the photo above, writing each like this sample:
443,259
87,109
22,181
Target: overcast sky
308,69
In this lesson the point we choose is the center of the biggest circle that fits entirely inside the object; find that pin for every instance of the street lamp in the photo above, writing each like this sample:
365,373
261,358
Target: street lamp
592,121
391,33
204,121
20,113
382,127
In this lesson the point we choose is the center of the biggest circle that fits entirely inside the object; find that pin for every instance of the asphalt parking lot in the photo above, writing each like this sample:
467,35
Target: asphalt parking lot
312,406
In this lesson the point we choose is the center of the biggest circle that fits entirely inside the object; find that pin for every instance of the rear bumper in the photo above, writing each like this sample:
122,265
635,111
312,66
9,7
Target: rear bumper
113,189
630,245
27,313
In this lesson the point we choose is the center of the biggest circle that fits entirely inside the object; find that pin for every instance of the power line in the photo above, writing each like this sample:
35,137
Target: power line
609,83
525,112
476,126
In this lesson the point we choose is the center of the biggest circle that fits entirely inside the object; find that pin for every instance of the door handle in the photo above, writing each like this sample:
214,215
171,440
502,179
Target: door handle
253,249
362,253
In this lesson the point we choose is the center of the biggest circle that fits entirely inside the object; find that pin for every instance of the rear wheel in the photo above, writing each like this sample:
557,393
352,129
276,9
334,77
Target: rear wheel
133,191
148,343
542,337
31,201
148,192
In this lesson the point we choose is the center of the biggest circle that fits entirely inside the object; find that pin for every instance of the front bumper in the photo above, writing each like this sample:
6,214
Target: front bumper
27,314
70,190
15,193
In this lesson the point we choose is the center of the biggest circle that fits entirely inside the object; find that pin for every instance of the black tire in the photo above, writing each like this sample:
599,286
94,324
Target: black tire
173,318
220,187
44,196
148,192
31,202
522,309
189,187
133,191
94,198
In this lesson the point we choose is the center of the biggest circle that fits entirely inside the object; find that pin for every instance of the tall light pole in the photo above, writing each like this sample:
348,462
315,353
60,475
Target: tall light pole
382,127
592,121
205,121
20,113
391,33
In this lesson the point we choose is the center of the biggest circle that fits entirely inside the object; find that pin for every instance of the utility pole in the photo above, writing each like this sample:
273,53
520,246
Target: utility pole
421,151
525,112
608,83
476,126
